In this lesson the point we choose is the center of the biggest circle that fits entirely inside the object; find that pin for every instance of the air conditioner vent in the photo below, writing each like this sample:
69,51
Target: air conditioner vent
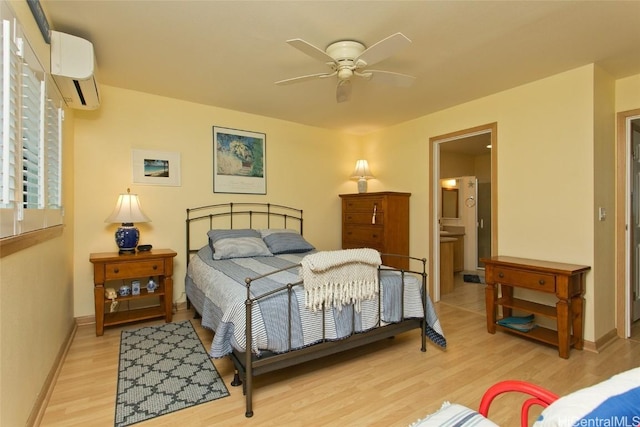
73,67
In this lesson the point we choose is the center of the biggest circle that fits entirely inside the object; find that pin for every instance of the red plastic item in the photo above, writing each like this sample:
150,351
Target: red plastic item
539,396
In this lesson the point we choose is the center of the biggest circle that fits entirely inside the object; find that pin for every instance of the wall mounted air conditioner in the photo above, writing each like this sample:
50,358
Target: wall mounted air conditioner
73,69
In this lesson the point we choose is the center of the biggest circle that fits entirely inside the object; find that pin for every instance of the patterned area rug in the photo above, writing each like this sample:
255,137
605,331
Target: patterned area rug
163,369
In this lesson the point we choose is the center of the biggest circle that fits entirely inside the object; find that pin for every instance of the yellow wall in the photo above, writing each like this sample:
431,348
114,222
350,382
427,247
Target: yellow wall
628,93
36,290
306,168
603,296
545,168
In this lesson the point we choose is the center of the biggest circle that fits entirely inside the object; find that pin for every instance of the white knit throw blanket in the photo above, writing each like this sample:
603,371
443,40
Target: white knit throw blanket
338,278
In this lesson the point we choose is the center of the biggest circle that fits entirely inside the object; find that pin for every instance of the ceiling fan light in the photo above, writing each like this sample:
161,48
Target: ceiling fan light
344,74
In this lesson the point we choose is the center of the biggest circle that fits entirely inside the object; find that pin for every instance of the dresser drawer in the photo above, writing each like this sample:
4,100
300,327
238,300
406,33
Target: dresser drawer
363,218
525,279
134,269
363,204
360,245
371,236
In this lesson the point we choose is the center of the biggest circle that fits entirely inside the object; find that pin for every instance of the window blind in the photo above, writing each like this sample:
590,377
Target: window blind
53,143
9,115
31,136
31,139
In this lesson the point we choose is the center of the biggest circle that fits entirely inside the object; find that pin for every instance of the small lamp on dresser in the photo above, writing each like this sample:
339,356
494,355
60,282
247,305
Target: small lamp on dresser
362,173
126,212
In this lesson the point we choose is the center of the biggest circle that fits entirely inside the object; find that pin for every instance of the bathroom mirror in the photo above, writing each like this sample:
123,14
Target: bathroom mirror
449,203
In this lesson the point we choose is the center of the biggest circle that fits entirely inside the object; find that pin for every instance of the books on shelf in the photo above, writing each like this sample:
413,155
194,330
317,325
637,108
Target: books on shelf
519,323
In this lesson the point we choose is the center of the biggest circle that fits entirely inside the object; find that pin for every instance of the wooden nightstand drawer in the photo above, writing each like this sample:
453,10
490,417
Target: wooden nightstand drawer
363,218
525,279
116,271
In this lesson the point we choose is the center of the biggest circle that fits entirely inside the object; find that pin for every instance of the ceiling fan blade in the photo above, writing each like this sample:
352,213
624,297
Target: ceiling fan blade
304,78
343,91
311,50
384,48
389,77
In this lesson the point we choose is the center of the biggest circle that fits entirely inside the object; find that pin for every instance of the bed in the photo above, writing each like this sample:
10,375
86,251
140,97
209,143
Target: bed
244,263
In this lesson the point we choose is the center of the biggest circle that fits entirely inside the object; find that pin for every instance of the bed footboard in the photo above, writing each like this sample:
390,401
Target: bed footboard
249,365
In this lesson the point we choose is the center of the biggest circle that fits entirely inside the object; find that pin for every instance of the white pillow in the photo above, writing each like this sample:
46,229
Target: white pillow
452,414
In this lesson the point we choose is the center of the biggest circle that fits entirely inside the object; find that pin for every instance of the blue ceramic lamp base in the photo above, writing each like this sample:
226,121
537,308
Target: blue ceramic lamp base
127,238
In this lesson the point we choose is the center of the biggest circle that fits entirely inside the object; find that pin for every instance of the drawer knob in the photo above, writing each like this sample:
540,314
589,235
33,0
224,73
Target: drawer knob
375,236
541,282
501,275
116,270
155,267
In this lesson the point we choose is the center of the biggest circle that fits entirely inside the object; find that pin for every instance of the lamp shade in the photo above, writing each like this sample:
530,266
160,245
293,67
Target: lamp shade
362,170
126,212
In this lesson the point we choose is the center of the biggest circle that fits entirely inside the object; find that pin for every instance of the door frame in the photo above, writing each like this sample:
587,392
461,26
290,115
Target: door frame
432,215
622,253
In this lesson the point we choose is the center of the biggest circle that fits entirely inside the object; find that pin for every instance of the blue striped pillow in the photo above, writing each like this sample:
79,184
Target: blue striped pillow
285,241
240,243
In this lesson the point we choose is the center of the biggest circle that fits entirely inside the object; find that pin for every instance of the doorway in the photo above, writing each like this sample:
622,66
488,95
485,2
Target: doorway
483,240
628,225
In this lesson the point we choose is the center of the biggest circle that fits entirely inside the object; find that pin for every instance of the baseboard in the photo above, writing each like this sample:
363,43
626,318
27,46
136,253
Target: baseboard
91,319
40,405
602,342
85,320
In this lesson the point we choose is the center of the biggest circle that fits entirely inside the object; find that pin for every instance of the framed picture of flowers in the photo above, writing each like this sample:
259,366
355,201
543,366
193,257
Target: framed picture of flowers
239,161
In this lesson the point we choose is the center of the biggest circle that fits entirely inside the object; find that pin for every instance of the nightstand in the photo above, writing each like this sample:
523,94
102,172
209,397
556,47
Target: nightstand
110,266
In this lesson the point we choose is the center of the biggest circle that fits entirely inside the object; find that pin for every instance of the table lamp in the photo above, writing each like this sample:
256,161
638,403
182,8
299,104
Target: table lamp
126,212
362,173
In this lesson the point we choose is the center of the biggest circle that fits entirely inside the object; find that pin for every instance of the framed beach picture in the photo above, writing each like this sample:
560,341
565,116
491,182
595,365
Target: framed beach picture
239,162
156,167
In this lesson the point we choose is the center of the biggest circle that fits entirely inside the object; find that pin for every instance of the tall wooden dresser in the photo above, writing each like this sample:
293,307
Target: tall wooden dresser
379,221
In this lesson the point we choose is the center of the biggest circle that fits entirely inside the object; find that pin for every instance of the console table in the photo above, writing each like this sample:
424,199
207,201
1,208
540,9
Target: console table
566,281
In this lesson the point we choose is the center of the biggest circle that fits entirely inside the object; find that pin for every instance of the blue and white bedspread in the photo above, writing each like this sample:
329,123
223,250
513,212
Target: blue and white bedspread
218,291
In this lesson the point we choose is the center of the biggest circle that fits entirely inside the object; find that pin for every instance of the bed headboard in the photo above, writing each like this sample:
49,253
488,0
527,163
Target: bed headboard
237,215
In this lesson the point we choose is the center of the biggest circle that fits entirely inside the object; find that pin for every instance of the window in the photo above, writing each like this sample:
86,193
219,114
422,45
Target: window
30,136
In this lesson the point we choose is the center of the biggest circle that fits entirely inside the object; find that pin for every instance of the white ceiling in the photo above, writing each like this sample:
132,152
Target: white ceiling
230,53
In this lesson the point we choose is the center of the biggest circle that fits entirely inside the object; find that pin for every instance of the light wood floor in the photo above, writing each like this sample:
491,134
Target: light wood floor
390,383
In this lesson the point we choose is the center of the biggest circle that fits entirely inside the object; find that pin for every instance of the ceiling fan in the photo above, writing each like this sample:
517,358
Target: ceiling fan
349,58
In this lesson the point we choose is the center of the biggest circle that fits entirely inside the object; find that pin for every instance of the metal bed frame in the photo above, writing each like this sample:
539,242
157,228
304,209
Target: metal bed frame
247,364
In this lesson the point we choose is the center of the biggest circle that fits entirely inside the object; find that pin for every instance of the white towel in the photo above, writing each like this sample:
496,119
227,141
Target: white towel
337,278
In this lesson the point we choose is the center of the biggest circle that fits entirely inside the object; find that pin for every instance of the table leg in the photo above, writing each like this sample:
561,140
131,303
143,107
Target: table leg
98,295
577,308
564,328
168,299
490,302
